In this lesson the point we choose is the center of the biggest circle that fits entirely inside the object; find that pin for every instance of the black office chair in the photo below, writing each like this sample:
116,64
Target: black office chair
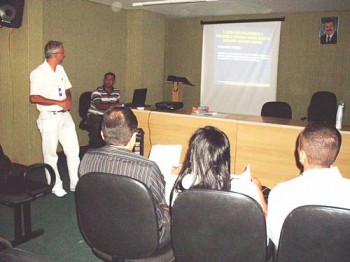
323,107
315,233
117,217
84,104
210,225
19,186
277,109
10,254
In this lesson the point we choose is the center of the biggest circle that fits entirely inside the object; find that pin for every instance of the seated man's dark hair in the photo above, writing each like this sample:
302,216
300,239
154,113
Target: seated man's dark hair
321,143
110,74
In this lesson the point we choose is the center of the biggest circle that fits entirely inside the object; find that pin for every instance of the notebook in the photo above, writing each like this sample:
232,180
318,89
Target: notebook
138,98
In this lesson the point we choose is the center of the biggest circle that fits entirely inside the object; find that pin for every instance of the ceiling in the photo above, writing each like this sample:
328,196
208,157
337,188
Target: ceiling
233,7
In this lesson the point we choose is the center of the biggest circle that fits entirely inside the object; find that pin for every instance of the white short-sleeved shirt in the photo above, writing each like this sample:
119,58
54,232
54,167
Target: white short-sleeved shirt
324,186
49,84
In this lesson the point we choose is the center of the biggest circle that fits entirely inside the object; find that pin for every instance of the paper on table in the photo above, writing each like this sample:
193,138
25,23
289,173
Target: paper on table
245,176
243,184
166,156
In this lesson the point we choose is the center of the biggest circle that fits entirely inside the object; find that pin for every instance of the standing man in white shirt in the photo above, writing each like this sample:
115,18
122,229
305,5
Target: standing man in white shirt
50,91
319,184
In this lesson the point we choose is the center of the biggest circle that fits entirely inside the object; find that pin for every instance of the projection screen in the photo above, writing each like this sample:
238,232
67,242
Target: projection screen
239,66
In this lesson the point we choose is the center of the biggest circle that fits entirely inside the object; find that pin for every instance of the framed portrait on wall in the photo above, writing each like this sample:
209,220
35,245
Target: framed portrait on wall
329,28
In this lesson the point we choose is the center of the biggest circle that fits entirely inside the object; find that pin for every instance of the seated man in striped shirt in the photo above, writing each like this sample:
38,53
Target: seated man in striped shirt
103,98
119,129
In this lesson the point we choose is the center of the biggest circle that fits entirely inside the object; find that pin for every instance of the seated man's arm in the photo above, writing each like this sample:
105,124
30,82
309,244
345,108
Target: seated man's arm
99,104
104,106
260,194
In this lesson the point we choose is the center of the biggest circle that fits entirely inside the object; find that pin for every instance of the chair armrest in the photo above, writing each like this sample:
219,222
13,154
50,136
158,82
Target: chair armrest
17,169
4,243
43,166
83,125
22,173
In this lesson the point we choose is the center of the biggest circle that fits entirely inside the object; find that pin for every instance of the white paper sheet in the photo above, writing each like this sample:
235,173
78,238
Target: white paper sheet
166,157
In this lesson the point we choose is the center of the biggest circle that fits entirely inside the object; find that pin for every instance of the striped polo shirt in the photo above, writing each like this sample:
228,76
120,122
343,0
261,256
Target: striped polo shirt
100,95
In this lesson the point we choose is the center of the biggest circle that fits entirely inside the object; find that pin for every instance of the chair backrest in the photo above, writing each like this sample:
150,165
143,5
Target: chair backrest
315,233
84,104
5,167
117,216
211,225
323,107
277,109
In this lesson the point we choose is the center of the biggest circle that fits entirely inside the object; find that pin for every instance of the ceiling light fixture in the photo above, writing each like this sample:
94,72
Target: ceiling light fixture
169,2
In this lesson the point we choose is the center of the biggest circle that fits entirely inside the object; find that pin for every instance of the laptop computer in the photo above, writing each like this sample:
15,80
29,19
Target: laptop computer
138,98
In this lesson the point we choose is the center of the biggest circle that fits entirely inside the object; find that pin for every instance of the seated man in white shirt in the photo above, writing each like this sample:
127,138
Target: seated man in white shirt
319,184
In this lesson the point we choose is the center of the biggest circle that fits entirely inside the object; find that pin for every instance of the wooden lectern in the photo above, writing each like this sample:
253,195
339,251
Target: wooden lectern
178,82
176,94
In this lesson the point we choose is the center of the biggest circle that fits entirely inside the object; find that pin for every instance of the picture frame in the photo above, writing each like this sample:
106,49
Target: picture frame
329,30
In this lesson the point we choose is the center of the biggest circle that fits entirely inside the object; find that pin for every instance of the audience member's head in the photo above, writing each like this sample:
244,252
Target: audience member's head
319,145
208,160
119,125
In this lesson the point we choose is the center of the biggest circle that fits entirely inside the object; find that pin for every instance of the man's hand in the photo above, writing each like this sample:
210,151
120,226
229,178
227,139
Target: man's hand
175,170
65,104
164,207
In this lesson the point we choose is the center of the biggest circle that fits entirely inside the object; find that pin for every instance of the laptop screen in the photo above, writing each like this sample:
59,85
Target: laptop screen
139,97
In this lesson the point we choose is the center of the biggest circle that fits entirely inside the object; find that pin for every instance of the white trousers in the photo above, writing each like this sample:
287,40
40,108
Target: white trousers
59,127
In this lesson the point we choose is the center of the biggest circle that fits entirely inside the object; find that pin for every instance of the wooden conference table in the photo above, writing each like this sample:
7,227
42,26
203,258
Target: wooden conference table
268,144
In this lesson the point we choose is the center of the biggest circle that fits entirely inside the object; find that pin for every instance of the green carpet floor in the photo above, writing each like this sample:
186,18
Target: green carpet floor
62,240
